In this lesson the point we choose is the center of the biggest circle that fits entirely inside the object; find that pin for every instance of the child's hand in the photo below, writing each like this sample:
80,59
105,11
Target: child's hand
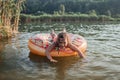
53,60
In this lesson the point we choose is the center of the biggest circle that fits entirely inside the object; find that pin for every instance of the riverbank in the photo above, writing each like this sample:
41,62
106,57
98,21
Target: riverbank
24,18
7,32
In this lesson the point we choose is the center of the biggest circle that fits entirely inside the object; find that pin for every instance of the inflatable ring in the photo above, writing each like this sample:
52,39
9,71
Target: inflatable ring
38,44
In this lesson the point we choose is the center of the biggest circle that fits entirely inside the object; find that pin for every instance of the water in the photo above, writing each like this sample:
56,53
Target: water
103,53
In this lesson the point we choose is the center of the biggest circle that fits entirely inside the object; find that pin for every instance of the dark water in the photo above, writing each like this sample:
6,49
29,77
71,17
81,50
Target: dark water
103,53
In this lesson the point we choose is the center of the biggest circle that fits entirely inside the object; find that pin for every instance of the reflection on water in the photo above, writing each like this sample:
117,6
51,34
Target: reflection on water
59,68
17,63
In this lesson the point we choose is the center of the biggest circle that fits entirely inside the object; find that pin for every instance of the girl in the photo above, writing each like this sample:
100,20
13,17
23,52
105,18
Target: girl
62,42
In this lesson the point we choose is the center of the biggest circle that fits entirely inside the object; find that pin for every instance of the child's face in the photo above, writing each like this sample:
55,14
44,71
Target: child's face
63,42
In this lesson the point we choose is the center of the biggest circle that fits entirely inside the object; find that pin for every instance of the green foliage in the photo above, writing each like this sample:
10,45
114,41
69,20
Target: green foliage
62,9
102,7
9,16
66,17
89,10
3,32
92,13
117,19
56,13
106,18
117,16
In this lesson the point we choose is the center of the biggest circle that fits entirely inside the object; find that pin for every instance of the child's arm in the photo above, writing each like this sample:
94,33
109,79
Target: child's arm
47,52
74,48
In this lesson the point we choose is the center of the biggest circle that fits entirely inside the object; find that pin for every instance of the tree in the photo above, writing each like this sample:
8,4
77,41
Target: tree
62,9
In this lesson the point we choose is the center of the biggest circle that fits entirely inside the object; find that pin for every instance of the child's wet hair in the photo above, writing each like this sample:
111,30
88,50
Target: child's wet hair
61,44
62,35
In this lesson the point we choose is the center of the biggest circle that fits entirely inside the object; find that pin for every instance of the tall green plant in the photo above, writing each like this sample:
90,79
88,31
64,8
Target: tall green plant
9,14
17,10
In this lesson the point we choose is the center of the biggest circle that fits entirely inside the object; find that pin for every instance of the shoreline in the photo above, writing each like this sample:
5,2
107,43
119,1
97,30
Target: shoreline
6,32
25,18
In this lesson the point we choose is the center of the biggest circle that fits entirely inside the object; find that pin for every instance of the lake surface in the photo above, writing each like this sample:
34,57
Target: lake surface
103,54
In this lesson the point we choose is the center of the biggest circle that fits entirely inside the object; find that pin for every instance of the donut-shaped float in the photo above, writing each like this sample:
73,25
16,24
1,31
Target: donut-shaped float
38,44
